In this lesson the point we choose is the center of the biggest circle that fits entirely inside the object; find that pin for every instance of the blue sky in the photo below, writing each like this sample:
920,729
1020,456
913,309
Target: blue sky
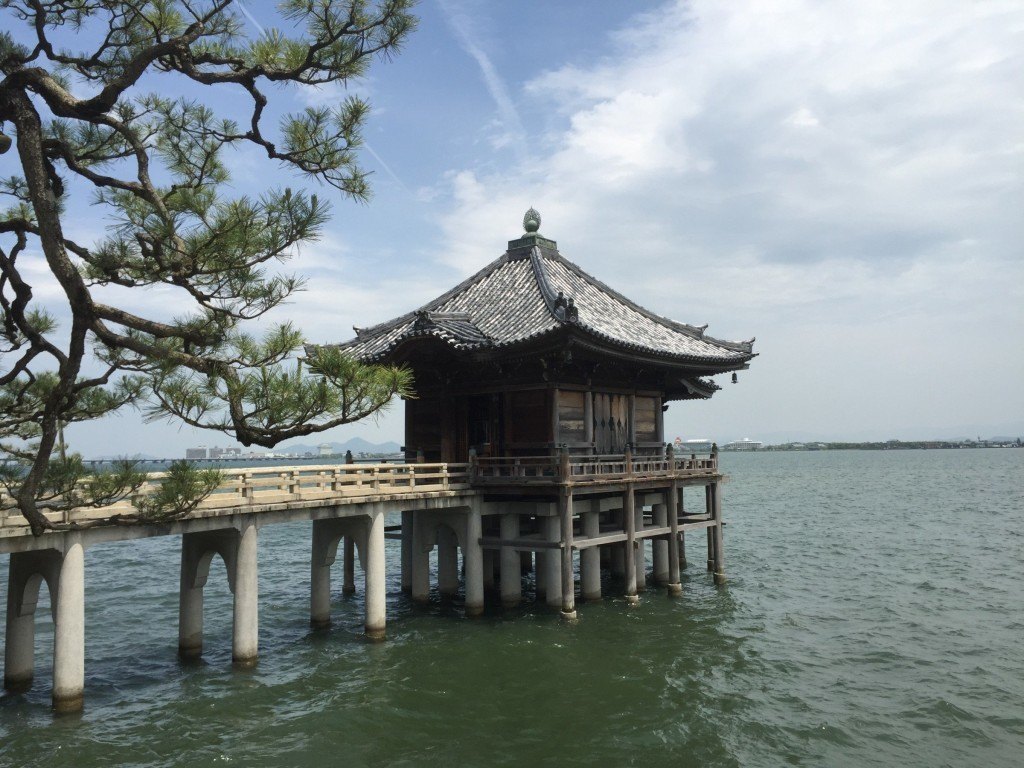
841,180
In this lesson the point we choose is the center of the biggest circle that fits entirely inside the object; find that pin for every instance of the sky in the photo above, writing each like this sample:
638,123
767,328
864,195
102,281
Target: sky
843,181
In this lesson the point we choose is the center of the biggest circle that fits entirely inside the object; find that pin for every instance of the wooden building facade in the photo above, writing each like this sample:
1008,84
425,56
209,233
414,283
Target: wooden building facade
532,355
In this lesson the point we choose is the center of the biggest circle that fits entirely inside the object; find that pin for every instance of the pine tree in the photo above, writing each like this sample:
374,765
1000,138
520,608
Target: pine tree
100,119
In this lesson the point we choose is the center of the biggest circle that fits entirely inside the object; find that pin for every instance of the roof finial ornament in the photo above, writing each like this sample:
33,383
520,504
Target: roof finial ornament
531,221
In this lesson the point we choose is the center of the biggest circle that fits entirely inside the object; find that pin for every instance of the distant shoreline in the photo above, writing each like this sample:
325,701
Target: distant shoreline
891,445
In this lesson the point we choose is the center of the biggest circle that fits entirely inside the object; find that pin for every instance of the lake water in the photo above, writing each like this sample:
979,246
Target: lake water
874,615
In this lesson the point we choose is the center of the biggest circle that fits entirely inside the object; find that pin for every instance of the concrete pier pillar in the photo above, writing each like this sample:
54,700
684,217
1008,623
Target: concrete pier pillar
245,631
348,586
69,631
375,577
422,543
719,555
407,552
553,563
590,559
323,551
447,562
659,547
641,553
473,560
629,546
511,565
675,587
568,580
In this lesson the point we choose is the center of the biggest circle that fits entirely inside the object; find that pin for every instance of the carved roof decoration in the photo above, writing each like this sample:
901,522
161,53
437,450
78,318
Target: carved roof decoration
532,291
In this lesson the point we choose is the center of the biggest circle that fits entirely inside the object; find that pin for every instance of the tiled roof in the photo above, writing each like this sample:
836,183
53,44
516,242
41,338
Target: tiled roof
532,291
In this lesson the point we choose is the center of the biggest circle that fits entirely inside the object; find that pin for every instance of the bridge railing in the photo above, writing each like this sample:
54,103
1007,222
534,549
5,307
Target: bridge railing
240,488
564,467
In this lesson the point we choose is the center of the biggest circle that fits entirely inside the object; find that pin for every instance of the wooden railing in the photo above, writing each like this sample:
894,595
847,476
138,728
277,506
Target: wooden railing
242,488
568,468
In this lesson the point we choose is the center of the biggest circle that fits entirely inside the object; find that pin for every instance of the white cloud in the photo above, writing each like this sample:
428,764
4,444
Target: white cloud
770,168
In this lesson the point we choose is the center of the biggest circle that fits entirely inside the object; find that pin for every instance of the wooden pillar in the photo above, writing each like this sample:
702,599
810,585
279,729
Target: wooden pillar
719,554
511,565
422,543
675,587
590,558
682,535
660,547
348,586
407,552
568,582
553,560
588,416
709,510
640,557
629,547
617,554
447,562
488,560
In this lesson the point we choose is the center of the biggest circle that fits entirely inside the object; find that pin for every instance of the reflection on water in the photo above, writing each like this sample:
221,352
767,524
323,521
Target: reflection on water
872,617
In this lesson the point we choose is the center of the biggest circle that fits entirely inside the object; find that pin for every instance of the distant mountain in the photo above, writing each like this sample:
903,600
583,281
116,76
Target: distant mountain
134,456
356,445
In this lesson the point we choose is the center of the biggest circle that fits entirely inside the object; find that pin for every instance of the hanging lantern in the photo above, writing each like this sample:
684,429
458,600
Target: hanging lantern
735,378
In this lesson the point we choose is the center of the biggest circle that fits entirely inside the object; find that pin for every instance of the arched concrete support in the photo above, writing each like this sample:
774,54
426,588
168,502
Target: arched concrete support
659,547
590,558
26,573
238,549
511,564
447,562
366,532
327,534
428,526
64,574
197,552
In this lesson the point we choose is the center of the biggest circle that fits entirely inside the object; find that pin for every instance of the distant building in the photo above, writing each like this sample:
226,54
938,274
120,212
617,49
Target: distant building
325,449
746,444
196,453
